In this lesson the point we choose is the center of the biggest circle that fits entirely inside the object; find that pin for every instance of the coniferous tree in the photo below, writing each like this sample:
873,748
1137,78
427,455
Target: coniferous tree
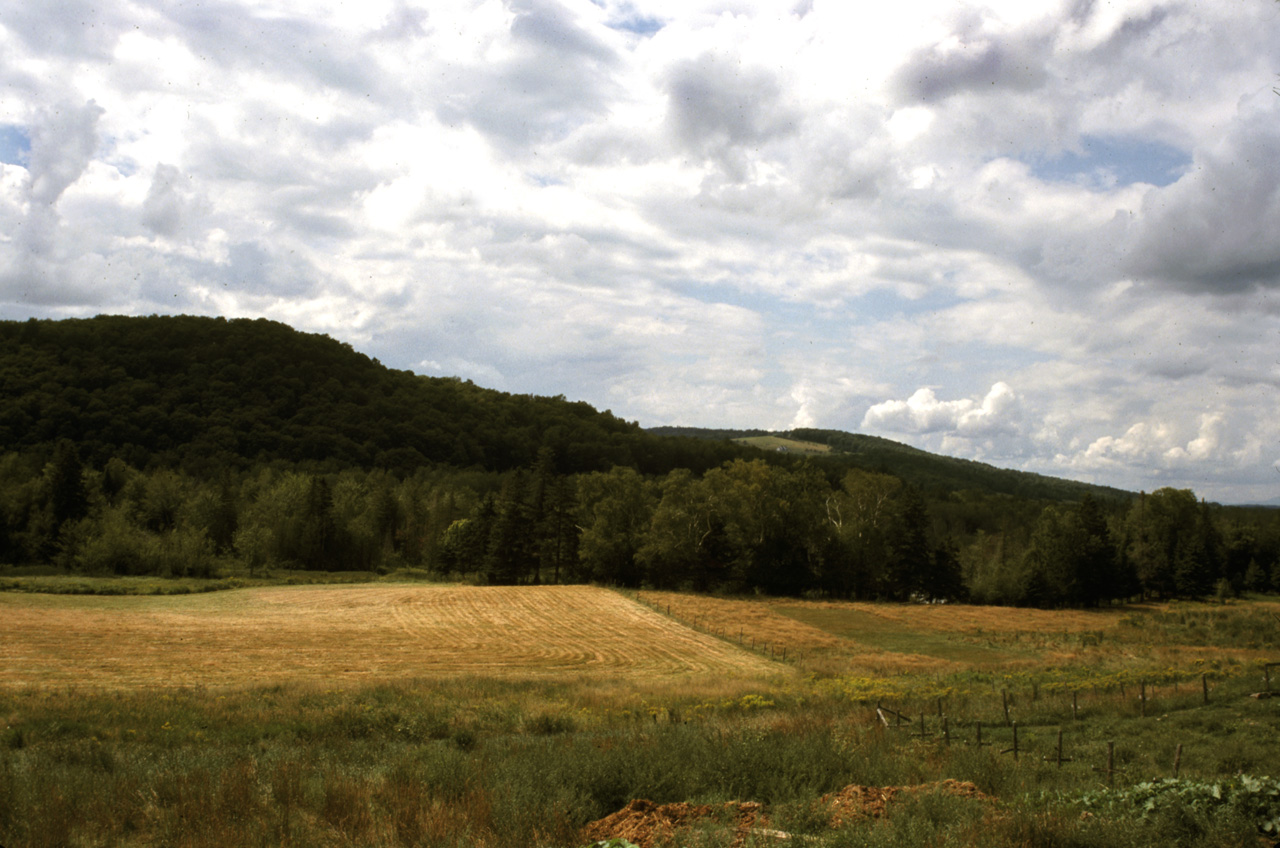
319,536
68,499
910,555
1098,575
510,557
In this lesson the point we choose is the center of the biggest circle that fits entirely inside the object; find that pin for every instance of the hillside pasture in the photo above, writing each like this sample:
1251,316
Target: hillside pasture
346,635
781,443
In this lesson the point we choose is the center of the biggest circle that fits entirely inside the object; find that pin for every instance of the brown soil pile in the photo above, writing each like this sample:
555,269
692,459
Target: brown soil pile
863,802
648,824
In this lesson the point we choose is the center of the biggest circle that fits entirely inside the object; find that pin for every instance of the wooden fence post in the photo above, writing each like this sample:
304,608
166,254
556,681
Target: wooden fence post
924,732
1014,749
1058,758
979,743
1204,683
1075,707
1177,761
1111,764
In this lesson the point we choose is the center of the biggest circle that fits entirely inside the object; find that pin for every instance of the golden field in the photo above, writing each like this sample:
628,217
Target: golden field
884,639
343,635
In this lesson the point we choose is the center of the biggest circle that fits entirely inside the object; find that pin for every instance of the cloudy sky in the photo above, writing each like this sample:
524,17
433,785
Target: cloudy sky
1042,235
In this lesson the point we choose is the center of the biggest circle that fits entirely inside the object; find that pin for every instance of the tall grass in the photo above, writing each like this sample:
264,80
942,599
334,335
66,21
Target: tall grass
480,762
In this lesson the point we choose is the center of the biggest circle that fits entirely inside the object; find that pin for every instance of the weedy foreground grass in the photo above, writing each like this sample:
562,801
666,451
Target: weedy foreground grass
472,760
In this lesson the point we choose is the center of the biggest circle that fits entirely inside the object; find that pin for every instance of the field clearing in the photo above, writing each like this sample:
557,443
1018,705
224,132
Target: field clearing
773,443
351,635
447,716
884,639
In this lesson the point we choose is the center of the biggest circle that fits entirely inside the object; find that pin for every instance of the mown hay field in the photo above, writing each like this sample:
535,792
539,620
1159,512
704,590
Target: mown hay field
351,635
884,639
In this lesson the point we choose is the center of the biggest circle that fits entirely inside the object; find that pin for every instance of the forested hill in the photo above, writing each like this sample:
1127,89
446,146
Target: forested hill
929,471
208,394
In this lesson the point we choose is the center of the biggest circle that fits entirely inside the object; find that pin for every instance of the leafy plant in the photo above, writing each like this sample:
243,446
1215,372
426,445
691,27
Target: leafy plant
1254,798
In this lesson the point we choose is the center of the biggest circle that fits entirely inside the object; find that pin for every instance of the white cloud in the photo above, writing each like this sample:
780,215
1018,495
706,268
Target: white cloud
719,212
1214,229
997,413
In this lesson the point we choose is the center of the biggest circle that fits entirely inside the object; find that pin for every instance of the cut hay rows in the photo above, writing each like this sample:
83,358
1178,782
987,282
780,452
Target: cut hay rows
351,634
886,639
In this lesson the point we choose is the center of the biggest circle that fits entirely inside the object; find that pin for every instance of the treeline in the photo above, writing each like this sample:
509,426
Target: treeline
743,526
190,446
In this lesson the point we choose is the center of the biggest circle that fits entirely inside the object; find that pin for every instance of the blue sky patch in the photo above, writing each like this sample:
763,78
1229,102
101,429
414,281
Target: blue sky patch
1114,161
627,19
639,24
15,145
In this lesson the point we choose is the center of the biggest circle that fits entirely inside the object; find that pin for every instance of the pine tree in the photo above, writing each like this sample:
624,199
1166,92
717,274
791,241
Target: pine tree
67,496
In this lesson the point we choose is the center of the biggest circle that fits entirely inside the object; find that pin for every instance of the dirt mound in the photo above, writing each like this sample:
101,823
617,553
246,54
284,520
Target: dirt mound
648,824
862,802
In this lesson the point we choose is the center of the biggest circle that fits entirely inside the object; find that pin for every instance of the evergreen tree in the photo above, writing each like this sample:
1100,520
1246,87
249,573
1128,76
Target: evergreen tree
911,555
1098,575
68,499
318,544
511,555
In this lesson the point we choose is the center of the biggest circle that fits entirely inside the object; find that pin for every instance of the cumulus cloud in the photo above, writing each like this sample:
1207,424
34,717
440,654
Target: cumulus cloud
63,141
997,413
62,144
168,204
717,105
1213,230
1161,444
977,60
544,77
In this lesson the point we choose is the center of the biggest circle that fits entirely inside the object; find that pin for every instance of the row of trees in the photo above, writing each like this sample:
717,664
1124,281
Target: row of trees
743,526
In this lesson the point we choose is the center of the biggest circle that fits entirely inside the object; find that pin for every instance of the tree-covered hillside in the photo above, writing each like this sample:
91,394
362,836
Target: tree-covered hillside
206,394
931,472
197,446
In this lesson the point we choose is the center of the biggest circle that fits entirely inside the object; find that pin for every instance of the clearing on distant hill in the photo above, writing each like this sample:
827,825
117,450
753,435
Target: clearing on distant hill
351,634
780,443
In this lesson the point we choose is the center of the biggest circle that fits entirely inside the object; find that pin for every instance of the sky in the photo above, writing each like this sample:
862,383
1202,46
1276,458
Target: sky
1043,235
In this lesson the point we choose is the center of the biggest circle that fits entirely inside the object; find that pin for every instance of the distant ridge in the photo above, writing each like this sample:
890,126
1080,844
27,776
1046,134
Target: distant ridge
208,395
932,472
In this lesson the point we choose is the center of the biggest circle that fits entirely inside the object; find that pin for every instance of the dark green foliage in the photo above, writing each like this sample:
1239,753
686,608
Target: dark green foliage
67,497
511,555
206,394
1174,544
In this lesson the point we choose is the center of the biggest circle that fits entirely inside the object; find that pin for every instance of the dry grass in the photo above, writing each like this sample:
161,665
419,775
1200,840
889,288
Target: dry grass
846,637
343,635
